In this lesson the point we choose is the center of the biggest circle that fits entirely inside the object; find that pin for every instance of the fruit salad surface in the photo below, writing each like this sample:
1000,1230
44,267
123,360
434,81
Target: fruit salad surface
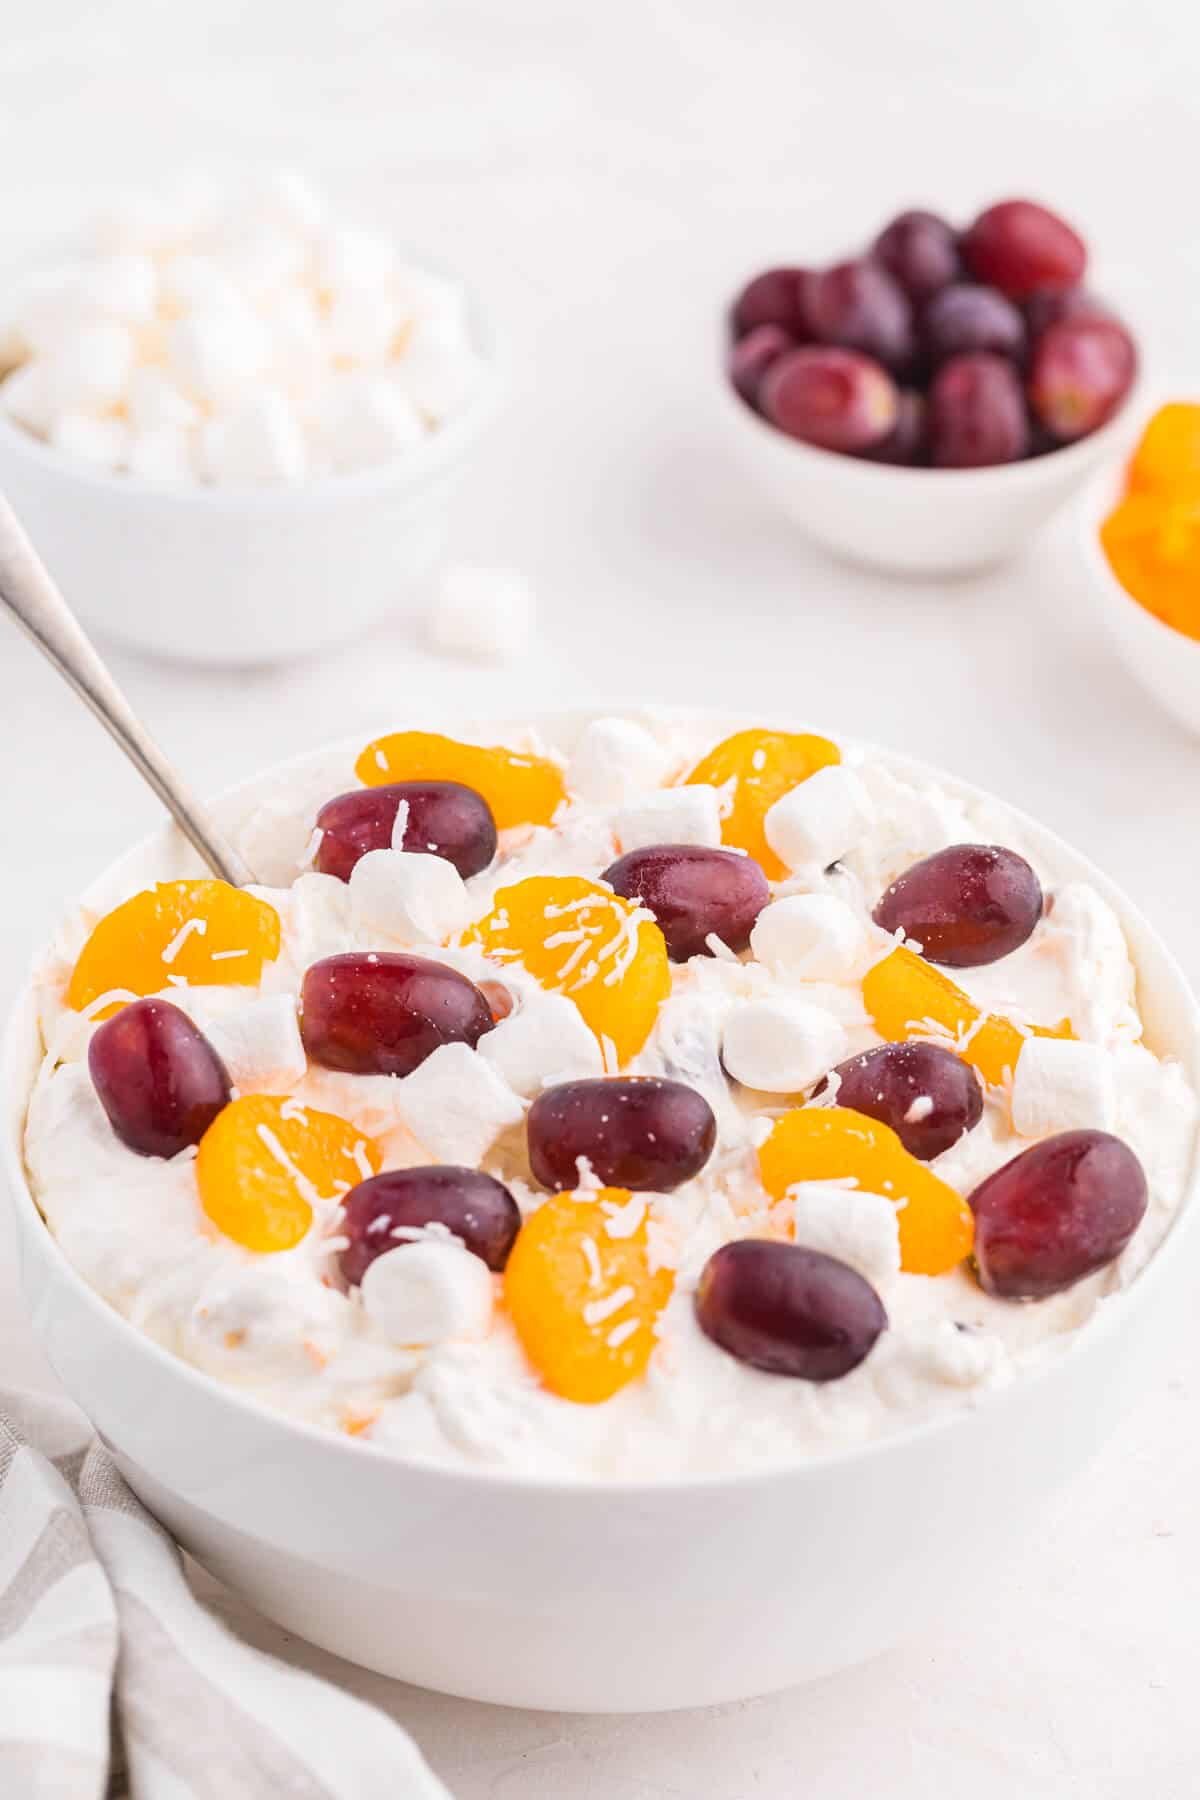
651,1102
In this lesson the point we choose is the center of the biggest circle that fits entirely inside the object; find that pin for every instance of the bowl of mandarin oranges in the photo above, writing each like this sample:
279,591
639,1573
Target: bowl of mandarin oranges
627,1210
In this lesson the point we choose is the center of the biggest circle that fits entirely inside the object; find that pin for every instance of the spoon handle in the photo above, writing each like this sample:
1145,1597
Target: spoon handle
30,596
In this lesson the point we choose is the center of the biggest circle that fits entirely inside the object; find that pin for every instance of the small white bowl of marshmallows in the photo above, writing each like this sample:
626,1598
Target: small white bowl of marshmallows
234,423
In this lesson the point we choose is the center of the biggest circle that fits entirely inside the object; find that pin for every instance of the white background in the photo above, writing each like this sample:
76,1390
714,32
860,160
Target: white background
607,173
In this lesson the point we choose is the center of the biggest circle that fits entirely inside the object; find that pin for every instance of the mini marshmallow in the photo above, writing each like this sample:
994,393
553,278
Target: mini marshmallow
780,1044
616,760
430,1291
216,352
164,454
198,284
808,937
260,1044
124,288
482,613
262,262
89,371
820,820
153,401
456,1105
104,442
544,1041
679,815
353,259
406,895
368,422
1061,1085
361,325
259,443
858,1228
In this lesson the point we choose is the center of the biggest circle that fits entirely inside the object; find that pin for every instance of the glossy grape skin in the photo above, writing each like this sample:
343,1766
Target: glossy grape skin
835,399
776,297
636,1131
1023,248
788,1310
1081,372
158,1078
977,414
966,317
1056,1213
693,892
476,1208
444,819
907,443
920,251
384,1012
885,1082
857,306
752,356
967,905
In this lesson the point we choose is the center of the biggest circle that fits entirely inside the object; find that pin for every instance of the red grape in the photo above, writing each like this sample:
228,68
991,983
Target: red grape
920,251
857,306
977,413
1022,248
906,442
776,297
928,1096
1082,370
383,1012
752,356
787,1310
965,317
444,819
472,1205
1046,309
636,1131
157,1076
1056,1213
967,905
835,399
693,892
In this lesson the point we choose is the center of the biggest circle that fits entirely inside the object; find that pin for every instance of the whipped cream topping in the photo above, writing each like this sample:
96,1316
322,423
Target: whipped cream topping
282,1328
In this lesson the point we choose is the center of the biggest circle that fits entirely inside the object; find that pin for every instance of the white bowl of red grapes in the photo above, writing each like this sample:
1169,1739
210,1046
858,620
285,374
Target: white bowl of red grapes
982,353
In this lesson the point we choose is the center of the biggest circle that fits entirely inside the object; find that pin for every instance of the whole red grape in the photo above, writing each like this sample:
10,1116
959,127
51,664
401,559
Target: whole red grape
835,399
1023,248
694,892
928,1096
977,413
920,251
636,1131
788,1310
776,297
966,905
1046,309
967,317
751,356
383,1012
442,818
475,1207
1082,370
857,306
157,1077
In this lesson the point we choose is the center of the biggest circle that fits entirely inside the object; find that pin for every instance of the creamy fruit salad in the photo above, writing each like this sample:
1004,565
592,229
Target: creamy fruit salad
644,1102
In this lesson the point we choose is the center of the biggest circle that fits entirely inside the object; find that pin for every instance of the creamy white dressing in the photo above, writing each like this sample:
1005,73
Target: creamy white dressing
281,1327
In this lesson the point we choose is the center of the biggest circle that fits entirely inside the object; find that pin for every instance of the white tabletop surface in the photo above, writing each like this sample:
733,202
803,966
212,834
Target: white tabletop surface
608,173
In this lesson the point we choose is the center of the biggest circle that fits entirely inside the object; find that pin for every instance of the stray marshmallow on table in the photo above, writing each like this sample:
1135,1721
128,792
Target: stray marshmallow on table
484,614
456,1105
859,1228
675,815
544,1041
430,1291
248,341
1061,1085
820,820
615,761
780,1044
808,937
406,895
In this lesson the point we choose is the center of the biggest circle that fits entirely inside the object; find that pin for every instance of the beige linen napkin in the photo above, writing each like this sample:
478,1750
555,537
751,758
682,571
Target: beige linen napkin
115,1681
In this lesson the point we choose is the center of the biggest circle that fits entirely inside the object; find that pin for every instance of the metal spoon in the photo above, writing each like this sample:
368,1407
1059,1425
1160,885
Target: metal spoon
30,596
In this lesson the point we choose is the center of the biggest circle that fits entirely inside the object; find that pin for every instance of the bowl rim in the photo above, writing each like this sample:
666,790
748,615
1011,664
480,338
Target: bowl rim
1066,459
440,448
1107,1317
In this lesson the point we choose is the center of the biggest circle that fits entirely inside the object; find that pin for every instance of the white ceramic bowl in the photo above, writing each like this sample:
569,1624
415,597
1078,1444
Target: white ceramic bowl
606,1597
917,521
244,575
1165,661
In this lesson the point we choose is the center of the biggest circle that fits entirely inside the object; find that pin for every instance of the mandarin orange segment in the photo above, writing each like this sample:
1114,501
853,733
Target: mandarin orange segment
1152,542
907,997
205,932
831,1143
581,1294
264,1161
762,767
520,789
580,939
1167,460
